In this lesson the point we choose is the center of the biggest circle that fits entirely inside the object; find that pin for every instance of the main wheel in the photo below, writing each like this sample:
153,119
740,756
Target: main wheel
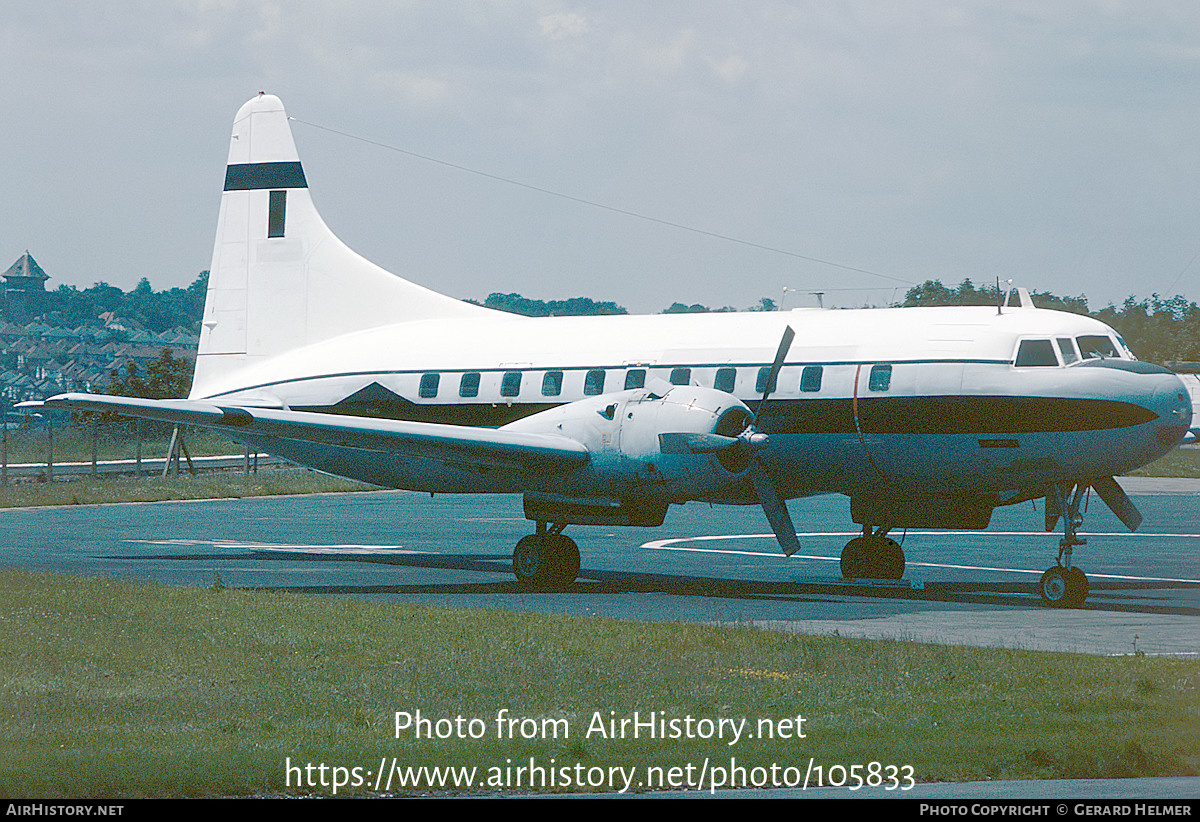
854,559
563,558
530,561
872,558
887,559
546,561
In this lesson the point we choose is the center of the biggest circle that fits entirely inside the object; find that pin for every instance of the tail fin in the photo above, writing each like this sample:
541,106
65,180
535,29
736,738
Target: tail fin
279,277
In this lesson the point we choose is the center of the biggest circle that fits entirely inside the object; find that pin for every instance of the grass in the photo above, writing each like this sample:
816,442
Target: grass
213,485
115,441
1182,462
114,689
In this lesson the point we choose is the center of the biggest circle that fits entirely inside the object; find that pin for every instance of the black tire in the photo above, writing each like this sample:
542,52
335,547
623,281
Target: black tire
854,559
1077,581
563,558
530,561
872,558
1062,588
888,560
546,561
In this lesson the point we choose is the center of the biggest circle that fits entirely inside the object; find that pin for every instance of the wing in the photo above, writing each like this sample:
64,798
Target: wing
463,445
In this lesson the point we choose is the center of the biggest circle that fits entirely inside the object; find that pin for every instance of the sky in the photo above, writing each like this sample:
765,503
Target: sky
640,152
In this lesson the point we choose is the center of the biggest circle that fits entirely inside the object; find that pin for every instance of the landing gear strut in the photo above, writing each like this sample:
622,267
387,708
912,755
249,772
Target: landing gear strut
874,555
546,559
1063,586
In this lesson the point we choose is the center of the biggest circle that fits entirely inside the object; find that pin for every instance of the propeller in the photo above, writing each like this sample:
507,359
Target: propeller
774,506
749,443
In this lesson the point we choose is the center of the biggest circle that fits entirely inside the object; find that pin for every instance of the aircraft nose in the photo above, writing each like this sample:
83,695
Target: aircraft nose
1173,405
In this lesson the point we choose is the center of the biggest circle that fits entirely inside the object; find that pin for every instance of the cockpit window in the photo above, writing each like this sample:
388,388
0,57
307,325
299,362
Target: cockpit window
1125,347
1096,345
1035,352
1066,347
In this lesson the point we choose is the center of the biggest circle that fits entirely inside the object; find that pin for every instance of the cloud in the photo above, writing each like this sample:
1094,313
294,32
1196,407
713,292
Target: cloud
563,24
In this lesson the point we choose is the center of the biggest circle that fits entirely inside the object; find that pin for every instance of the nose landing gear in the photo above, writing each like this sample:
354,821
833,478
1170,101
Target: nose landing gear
1064,586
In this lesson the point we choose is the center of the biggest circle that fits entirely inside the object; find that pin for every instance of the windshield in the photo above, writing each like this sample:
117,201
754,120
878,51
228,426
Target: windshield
1095,345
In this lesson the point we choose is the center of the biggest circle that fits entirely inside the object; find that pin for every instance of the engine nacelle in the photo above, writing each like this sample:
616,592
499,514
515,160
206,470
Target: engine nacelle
634,438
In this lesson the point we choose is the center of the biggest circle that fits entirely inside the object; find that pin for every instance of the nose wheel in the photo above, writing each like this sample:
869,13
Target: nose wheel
546,559
1063,587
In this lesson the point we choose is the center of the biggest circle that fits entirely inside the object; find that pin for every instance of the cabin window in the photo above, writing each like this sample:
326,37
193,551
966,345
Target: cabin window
1097,345
277,214
468,386
760,385
881,378
1066,347
510,385
635,378
429,385
593,383
681,376
552,384
1035,353
725,380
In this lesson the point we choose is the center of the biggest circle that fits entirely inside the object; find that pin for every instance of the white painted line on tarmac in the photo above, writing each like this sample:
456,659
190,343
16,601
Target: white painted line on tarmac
307,548
675,545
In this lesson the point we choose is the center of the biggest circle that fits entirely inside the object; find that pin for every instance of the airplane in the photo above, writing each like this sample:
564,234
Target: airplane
923,417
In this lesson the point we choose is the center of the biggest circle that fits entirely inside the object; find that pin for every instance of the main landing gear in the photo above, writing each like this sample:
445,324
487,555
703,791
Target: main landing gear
1063,586
874,555
546,559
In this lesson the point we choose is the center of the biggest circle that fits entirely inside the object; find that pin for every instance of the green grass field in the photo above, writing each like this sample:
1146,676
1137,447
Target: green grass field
114,689
212,485
115,441
1182,462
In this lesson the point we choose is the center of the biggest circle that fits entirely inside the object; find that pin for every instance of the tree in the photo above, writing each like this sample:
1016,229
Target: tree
1158,330
574,307
167,378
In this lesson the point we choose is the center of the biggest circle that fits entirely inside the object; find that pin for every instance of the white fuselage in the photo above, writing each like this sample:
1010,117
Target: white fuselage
954,414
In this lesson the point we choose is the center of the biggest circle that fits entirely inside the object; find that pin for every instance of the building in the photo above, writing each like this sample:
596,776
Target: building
24,289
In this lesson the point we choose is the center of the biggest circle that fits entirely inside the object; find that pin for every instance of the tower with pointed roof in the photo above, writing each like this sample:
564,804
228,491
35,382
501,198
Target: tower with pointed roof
24,287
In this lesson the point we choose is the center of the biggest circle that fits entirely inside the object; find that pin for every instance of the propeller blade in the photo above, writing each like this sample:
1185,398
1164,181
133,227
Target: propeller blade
1116,499
773,375
775,508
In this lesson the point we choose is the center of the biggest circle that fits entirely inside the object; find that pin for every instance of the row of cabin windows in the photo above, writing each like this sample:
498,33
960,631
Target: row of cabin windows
593,381
1091,346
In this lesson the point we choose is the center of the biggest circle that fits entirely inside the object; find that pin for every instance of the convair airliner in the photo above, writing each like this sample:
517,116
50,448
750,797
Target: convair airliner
923,417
